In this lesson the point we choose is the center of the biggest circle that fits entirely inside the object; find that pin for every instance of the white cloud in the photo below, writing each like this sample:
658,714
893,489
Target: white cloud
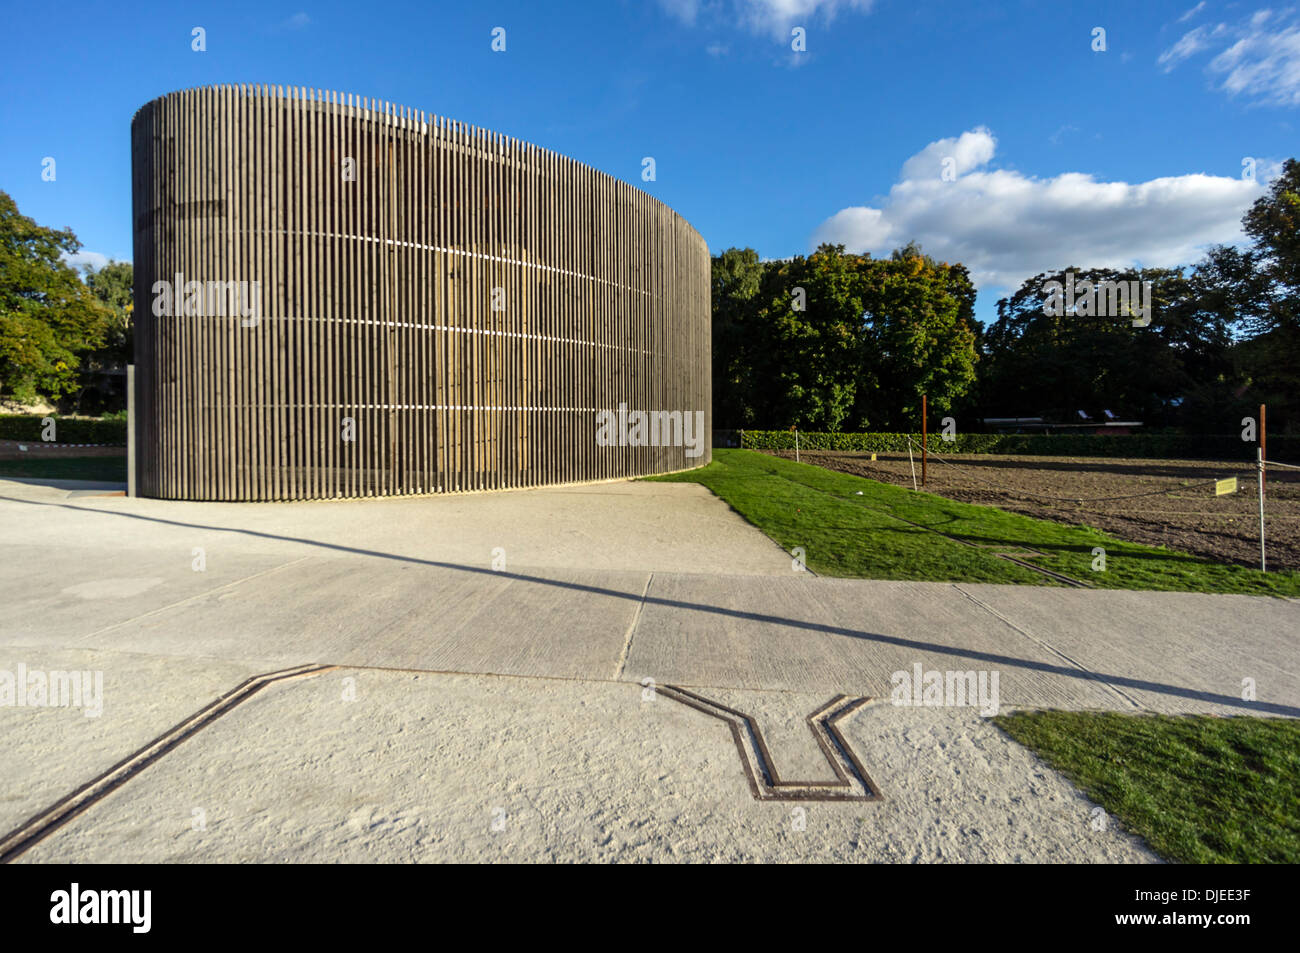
1265,66
684,10
1058,137
1258,58
968,151
83,258
763,16
1268,169
778,16
716,49
1006,226
1192,12
296,22
1189,44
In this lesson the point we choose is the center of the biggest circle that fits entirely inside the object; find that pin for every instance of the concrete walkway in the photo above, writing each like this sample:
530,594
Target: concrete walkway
491,654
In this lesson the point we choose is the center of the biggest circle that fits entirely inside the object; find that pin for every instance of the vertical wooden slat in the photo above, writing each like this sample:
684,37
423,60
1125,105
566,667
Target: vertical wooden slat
377,298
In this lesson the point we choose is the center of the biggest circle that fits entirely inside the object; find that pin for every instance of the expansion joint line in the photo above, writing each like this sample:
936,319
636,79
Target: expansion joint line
631,630
851,780
194,598
41,825
1048,647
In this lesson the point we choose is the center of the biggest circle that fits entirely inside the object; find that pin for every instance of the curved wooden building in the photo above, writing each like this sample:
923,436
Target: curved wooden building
340,297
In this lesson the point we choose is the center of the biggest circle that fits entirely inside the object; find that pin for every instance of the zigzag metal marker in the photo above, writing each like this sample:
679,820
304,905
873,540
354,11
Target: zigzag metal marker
851,783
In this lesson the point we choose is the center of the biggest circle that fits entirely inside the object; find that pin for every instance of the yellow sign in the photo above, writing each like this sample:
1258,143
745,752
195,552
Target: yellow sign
1222,487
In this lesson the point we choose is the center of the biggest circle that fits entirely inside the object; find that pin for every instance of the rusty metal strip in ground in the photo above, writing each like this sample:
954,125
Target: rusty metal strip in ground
993,548
41,825
852,783
1059,576
1029,553
996,550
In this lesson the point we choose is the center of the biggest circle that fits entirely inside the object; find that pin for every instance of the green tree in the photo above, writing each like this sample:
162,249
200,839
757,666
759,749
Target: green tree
1224,337
1040,364
102,379
807,316
1264,284
737,274
917,336
834,341
48,317
1274,223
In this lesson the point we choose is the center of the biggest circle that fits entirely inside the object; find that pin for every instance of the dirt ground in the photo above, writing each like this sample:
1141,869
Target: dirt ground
1193,520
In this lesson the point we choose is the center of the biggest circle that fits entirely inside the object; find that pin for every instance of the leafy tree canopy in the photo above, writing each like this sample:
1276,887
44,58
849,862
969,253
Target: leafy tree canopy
835,341
48,317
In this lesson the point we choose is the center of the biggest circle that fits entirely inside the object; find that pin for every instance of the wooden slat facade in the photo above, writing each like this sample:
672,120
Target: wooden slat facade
377,304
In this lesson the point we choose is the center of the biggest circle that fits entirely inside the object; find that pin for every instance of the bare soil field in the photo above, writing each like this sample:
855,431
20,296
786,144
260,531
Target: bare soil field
1080,490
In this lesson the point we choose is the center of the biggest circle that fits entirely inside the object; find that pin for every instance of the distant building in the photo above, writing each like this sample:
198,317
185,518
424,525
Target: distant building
1086,424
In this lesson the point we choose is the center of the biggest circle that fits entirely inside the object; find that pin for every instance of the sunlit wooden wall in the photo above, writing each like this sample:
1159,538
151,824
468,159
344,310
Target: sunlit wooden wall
377,302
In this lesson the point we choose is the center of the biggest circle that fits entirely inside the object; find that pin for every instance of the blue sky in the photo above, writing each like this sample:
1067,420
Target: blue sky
1057,154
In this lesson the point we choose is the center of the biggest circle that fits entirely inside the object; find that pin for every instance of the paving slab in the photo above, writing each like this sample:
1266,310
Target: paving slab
56,594
1167,651
804,633
496,647
406,616
619,526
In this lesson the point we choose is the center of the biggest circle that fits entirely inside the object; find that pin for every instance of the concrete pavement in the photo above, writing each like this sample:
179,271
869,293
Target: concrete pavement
420,767
544,612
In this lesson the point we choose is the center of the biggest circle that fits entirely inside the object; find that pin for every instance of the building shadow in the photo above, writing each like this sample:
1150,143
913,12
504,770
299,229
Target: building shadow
732,614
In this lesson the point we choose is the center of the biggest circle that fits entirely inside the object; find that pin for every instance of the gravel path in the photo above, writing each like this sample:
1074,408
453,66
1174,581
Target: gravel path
430,768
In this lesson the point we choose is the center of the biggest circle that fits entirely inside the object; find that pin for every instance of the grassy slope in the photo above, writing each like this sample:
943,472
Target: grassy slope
1198,789
846,534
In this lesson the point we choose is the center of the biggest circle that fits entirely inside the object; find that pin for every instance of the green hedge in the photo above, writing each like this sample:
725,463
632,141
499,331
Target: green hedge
1160,446
66,429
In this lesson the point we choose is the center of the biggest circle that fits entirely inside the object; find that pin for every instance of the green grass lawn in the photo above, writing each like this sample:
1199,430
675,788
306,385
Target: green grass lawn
1198,789
103,469
847,534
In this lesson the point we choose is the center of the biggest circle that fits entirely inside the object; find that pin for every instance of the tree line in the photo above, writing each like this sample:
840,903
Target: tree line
841,343
63,339
833,341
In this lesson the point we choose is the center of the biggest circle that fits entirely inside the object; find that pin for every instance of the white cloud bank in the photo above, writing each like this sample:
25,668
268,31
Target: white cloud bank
1006,226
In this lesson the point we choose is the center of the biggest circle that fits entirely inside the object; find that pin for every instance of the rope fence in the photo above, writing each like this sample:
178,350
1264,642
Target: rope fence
1260,466
1072,499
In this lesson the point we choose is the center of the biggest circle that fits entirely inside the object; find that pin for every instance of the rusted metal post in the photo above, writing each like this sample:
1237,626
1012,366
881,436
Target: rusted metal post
924,432
1263,449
